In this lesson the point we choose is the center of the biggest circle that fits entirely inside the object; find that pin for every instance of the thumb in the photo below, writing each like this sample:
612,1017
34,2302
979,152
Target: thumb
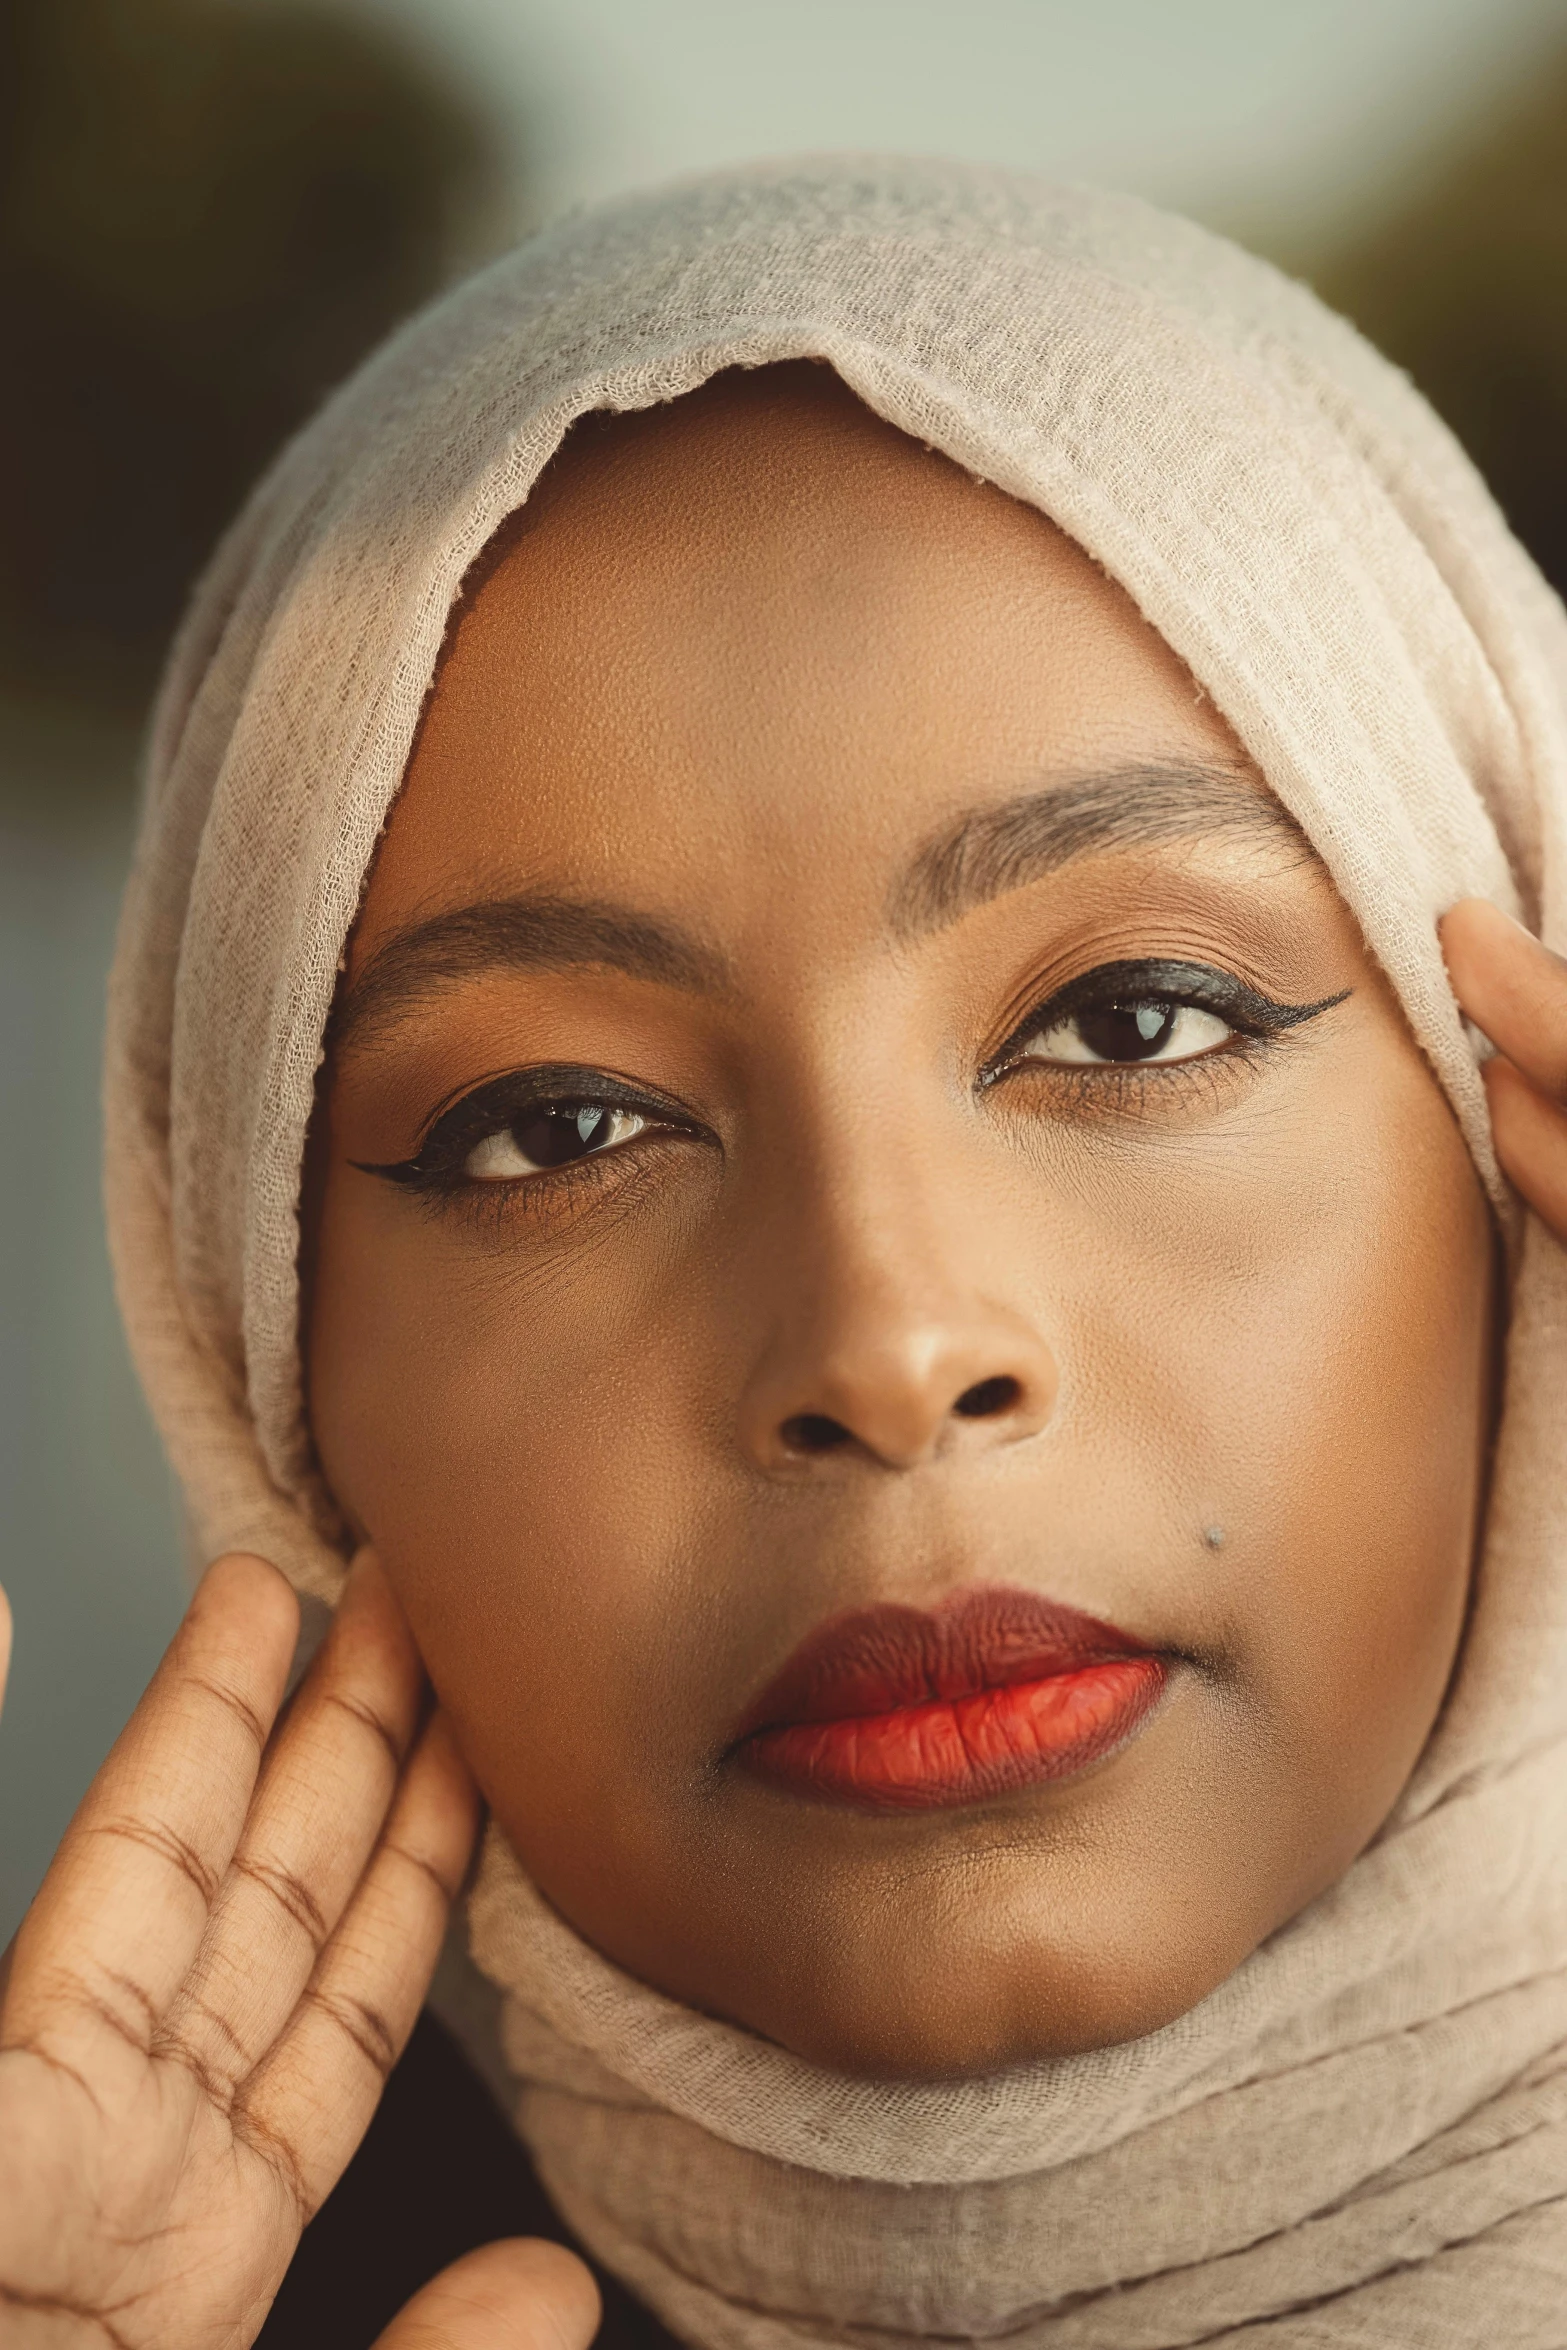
520,2294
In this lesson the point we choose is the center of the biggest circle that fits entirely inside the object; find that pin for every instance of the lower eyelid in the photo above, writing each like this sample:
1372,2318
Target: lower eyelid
1100,1085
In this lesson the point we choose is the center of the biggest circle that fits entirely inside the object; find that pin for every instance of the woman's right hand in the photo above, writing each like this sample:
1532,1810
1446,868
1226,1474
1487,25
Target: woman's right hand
216,1977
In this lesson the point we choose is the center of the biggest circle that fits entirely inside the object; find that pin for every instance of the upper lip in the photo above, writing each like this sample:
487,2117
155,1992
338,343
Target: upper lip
875,1660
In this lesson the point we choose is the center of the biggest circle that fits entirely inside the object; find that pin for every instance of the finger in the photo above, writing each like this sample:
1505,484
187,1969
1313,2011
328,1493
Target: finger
326,1786
7,1954
1530,1134
518,2295
5,1669
114,1926
308,2105
1512,988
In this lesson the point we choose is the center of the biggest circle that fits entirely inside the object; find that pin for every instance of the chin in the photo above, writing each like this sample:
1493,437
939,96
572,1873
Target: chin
918,2001
1056,2013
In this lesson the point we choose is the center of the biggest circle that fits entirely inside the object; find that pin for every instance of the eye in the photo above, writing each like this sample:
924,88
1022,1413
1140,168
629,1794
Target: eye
550,1134
1146,1011
529,1123
1146,1028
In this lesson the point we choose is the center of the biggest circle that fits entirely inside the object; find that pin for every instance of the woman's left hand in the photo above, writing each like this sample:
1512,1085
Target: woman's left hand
1515,992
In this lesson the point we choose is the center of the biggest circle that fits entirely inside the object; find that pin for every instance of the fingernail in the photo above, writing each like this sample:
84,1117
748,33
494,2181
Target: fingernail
1493,912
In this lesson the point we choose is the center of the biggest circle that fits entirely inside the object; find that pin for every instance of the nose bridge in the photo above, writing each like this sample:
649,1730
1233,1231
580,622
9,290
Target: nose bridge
887,1335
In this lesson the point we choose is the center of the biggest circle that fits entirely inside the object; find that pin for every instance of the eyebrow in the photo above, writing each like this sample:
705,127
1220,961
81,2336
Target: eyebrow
986,854
983,856
519,934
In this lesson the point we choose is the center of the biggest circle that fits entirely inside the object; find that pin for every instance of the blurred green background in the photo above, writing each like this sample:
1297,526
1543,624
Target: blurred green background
210,208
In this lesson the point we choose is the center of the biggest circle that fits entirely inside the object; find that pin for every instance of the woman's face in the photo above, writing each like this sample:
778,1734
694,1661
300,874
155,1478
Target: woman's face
853,1113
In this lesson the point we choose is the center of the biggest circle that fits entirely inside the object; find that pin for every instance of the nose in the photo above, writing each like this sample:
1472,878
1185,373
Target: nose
894,1363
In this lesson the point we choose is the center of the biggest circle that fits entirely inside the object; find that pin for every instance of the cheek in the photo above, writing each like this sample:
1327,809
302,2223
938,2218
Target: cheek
1318,1395
515,1432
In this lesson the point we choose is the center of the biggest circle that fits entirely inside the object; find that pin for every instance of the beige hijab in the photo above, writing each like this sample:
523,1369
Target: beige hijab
1361,2137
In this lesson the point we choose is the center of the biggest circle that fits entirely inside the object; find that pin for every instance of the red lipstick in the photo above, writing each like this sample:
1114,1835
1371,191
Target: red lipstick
913,1709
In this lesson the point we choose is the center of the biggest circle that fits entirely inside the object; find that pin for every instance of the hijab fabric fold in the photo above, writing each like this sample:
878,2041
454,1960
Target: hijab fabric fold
1361,2137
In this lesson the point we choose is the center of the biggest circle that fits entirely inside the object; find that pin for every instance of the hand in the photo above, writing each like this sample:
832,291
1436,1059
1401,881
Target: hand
1515,992
218,1973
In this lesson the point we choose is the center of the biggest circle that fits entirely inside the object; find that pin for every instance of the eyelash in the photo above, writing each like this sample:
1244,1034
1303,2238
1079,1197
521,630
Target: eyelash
1256,1021
438,1169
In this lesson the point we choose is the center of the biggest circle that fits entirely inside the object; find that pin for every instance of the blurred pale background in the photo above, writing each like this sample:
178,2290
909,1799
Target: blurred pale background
208,208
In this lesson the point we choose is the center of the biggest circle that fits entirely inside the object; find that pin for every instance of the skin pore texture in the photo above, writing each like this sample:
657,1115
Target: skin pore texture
781,792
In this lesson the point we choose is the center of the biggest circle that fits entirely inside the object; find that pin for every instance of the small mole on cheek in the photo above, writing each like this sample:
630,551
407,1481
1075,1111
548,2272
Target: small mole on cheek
1213,1536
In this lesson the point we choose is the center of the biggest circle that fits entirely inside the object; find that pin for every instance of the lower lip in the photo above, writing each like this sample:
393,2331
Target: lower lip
963,1750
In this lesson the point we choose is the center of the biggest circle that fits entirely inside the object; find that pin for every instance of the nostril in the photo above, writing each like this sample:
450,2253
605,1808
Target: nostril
988,1397
814,1432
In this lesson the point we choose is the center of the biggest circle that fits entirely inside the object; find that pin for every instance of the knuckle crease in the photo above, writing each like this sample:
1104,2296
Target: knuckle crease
364,2025
166,1844
369,1719
231,1700
290,1893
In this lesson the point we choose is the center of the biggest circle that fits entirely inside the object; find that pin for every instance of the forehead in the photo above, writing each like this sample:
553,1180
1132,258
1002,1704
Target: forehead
755,644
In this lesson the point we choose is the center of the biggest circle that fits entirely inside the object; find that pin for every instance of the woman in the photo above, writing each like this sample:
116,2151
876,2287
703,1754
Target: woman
783,1033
